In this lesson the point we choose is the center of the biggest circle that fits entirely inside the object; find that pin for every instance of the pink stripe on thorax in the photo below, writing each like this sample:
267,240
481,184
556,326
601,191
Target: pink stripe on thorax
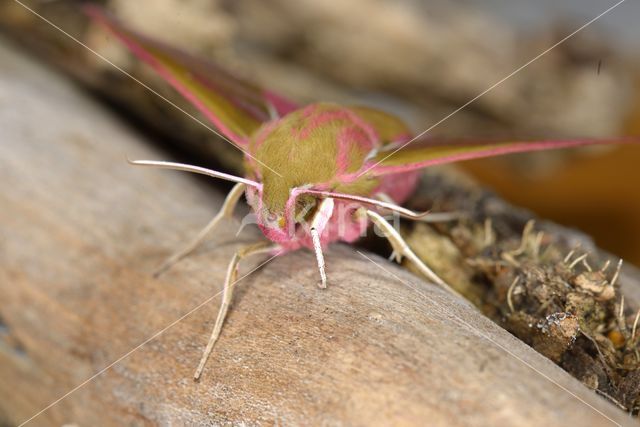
346,139
319,119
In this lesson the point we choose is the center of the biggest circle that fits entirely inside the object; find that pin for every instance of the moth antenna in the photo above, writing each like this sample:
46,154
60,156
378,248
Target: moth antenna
365,200
194,169
432,217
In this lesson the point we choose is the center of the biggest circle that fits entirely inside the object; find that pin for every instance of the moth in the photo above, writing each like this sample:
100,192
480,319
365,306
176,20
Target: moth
314,174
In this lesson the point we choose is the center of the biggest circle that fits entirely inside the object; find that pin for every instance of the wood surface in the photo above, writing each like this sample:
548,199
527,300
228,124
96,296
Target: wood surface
80,234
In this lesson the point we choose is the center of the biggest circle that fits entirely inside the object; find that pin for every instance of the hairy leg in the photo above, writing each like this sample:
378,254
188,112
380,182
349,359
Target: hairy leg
318,223
227,293
230,202
401,248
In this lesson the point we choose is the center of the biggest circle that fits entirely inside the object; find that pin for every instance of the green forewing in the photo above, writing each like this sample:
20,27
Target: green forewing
420,154
237,108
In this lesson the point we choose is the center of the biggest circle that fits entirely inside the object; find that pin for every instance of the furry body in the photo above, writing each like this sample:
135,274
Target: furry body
321,147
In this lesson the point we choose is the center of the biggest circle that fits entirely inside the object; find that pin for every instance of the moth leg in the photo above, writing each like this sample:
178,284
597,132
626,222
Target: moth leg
273,112
401,248
227,293
230,202
430,217
318,223
317,248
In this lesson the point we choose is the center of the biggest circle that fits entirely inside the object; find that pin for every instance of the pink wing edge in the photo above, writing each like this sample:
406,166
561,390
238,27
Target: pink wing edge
377,169
281,105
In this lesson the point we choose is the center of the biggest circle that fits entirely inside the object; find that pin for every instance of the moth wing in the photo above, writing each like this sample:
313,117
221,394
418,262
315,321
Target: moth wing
429,152
234,106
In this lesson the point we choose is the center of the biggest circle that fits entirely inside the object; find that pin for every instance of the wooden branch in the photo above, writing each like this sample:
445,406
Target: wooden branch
81,233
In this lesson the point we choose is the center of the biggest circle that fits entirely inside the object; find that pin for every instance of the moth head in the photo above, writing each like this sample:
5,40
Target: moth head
271,221
280,224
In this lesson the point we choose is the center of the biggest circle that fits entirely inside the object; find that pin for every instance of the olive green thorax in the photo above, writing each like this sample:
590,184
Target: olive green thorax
304,148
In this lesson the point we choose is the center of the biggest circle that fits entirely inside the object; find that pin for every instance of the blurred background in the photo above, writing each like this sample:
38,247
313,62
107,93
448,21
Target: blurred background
418,59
